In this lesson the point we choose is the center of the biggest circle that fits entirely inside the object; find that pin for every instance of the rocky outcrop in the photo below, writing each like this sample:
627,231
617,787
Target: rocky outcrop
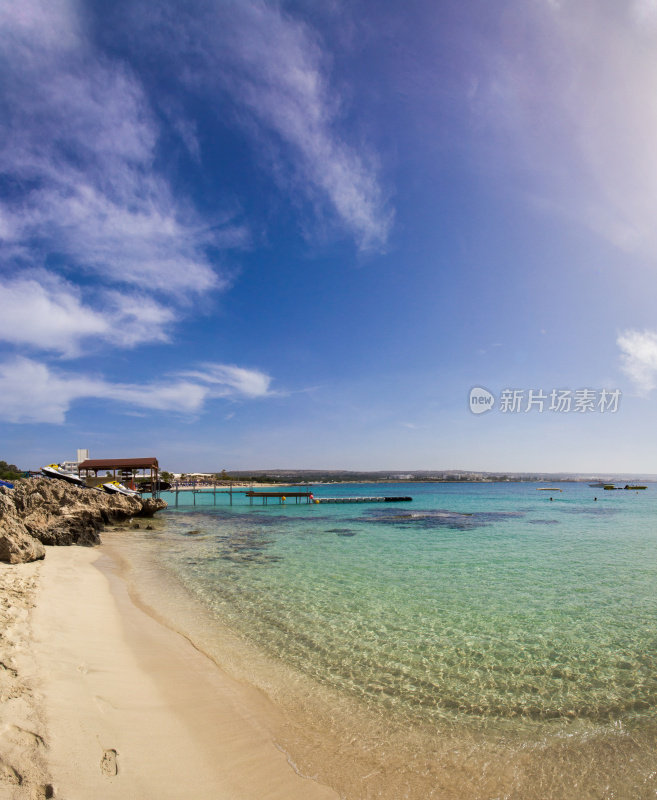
150,506
44,511
17,546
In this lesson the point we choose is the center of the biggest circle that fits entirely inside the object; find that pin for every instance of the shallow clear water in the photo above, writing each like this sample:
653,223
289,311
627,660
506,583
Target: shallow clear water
481,606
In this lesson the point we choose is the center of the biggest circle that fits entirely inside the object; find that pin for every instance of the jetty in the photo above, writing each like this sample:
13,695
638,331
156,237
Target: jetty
214,492
363,499
280,496
308,497
250,493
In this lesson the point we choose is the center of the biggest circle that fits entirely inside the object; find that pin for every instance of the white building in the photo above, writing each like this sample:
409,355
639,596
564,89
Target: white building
72,466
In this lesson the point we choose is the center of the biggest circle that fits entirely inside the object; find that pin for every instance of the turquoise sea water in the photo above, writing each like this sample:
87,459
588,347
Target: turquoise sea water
489,607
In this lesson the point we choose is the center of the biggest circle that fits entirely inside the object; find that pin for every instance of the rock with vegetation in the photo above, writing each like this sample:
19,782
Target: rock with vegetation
40,511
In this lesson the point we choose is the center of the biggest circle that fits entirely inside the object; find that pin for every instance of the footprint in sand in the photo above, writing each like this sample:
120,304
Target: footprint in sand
9,775
108,765
26,738
103,705
5,668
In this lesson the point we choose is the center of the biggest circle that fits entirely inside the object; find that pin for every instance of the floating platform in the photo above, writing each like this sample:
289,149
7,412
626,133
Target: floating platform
280,496
363,499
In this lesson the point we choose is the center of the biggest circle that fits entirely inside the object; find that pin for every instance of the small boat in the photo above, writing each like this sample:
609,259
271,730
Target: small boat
609,487
635,487
55,471
6,484
598,485
114,487
547,489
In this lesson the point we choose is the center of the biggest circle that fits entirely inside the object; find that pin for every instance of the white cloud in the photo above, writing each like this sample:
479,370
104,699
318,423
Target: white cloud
229,380
139,239
639,358
136,318
46,313
273,66
78,145
54,320
33,392
181,396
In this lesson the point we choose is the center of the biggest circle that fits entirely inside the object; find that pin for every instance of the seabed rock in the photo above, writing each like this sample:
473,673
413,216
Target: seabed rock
40,511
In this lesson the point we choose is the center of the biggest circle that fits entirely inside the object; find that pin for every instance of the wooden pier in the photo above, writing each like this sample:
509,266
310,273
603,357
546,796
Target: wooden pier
250,493
214,492
363,499
280,496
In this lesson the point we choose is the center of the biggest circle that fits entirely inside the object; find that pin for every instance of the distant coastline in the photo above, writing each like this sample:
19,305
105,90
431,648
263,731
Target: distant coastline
262,478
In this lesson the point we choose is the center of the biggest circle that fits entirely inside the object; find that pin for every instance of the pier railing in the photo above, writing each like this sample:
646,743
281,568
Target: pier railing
282,496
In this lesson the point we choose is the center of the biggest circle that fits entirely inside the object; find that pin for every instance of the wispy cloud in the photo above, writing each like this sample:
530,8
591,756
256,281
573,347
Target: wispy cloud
96,246
77,151
32,391
639,358
226,380
276,71
566,91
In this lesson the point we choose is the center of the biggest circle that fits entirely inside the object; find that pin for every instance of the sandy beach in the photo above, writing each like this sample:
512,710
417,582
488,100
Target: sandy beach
23,768
98,699
125,672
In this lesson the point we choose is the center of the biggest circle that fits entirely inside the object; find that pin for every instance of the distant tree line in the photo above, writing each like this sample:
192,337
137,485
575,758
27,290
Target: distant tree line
246,477
9,472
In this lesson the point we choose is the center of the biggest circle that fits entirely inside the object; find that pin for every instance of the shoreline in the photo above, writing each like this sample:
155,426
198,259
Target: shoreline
130,709
117,681
363,750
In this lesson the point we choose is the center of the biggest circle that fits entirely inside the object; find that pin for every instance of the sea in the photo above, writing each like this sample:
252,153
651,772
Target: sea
483,640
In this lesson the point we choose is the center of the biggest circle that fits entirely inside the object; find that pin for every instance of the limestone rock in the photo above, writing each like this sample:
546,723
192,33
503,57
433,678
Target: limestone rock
40,511
17,547
150,506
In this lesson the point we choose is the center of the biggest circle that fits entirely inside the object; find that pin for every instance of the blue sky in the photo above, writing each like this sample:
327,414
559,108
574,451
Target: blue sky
254,234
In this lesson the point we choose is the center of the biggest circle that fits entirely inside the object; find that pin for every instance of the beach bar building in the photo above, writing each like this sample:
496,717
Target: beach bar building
123,469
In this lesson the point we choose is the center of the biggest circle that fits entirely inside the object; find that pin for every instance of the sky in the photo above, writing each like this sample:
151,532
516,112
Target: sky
248,235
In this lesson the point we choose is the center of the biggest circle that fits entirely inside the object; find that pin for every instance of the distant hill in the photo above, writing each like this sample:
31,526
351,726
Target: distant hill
398,476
